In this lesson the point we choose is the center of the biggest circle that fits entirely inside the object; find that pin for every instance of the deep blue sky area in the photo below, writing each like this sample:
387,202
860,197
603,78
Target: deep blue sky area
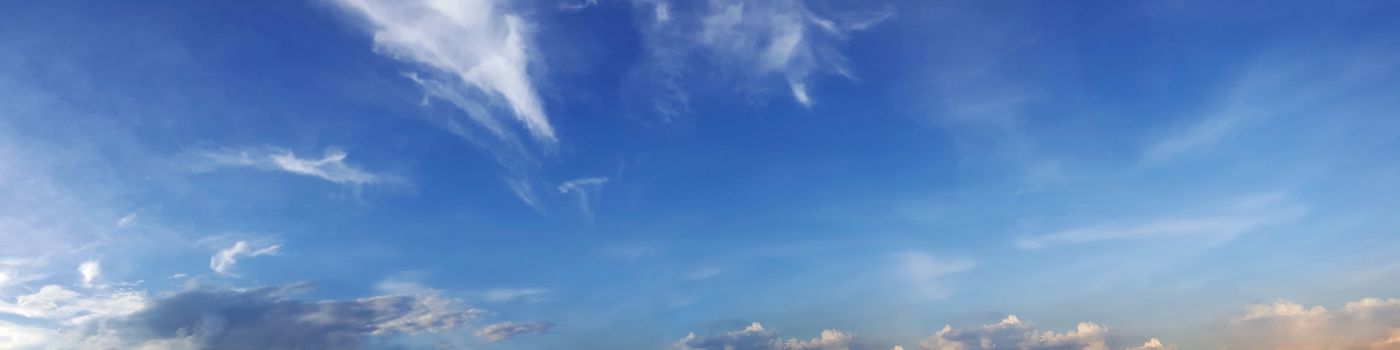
710,174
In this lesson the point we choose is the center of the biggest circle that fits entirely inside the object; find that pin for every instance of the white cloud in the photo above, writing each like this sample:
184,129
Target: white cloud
1012,333
926,272
52,302
507,330
1369,323
331,167
126,220
224,260
755,337
483,50
14,336
1242,216
586,190
753,42
90,270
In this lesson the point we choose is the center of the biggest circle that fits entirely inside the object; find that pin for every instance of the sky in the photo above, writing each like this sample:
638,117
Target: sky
707,174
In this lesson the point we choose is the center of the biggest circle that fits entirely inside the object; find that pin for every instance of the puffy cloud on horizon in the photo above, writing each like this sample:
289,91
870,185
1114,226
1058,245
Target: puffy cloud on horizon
755,337
332,167
1369,323
1012,333
224,260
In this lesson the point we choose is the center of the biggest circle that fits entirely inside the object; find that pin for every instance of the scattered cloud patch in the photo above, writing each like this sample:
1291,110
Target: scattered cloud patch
89,270
753,42
266,318
755,337
223,261
499,295
1012,333
70,307
506,330
126,220
330,167
586,190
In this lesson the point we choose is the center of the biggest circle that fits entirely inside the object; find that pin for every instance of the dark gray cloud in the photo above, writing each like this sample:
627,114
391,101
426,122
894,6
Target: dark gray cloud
267,318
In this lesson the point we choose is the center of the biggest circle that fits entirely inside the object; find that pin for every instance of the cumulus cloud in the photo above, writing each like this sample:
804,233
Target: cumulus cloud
223,261
331,167
1369,323
1012,333
89,269
1242,216
755,337
505,330
786,41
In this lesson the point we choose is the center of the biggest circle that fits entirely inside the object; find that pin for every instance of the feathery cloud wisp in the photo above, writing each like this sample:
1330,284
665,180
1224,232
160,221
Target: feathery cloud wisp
1241,217
332,167
224,260
506,330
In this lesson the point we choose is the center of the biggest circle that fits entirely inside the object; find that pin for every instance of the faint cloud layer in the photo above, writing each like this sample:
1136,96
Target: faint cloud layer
755,337
1239,217
506,330
332,167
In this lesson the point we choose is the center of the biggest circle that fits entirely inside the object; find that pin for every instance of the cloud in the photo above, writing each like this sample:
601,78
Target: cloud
506,330
586,190
126,220
224,260
926,272
473,52
1012,333
755,337
1369,323
1242,216
512,294
90,270
751,41
332,167
55,303
265,318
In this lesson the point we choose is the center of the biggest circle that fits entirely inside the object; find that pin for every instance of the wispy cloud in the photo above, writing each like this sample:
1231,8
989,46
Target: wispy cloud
330,167
754,42
926,272
512,294
586,190
223,261
506,330
1241,216
475,47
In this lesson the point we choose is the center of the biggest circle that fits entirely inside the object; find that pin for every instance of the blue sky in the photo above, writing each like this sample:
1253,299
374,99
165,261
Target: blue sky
715,174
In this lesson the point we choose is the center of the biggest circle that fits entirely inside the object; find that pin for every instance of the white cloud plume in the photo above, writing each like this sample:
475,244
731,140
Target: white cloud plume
90,270
483,50
53,302
506,330
331,167
1240,217
126,220
223,261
